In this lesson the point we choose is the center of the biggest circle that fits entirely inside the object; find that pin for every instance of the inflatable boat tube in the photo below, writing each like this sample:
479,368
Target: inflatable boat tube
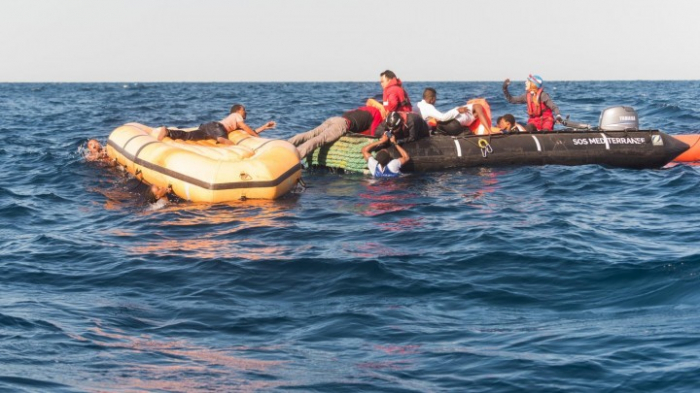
625,149
204,171
692,154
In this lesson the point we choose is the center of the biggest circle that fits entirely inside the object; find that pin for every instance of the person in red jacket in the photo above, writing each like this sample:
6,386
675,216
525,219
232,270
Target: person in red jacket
363,120
395,97
540,107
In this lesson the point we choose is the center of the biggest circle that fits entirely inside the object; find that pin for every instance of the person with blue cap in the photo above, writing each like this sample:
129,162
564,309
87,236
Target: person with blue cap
540,107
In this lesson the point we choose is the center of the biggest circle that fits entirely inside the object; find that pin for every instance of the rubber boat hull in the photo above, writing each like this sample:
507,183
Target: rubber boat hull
624,149
203,171
693,153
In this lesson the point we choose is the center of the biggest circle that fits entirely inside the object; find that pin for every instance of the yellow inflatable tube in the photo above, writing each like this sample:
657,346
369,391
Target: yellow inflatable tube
204,171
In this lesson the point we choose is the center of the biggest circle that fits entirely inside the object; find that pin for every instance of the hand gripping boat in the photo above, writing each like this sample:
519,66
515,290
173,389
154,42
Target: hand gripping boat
204,171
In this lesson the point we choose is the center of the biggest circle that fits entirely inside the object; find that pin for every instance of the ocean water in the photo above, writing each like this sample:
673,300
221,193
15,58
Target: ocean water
542,279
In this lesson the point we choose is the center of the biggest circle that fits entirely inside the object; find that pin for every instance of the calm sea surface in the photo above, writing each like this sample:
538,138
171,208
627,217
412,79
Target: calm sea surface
539,279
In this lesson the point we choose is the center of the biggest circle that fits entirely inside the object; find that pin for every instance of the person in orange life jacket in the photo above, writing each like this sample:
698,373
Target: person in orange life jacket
217,130
363,120
539,104
507,124
383,165
406,126
465,115
395,97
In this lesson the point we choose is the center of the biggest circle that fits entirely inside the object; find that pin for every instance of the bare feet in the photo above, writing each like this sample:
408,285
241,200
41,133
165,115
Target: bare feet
162,132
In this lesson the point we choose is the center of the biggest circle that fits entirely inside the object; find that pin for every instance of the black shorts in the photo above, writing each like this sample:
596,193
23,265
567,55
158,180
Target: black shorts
212,130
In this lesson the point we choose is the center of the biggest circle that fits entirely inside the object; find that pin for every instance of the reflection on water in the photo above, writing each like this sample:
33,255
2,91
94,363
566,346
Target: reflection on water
176,365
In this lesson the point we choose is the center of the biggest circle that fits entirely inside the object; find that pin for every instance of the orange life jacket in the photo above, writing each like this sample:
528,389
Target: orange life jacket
537,108
476,127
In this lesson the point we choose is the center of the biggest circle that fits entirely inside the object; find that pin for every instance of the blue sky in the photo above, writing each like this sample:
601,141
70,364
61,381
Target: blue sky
346,40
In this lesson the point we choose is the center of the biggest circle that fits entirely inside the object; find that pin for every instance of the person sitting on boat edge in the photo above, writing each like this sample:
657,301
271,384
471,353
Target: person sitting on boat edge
453,121
383,165
539,104
218,130
507,123
394,96
406,126
363,120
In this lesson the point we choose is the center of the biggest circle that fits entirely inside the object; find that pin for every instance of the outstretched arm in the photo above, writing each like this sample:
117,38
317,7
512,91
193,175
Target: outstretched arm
266,126
521,99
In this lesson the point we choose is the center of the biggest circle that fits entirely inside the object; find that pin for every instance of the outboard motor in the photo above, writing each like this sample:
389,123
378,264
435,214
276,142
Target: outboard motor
619,118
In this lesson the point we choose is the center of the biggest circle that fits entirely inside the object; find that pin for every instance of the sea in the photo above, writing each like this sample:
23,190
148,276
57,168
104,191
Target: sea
512,279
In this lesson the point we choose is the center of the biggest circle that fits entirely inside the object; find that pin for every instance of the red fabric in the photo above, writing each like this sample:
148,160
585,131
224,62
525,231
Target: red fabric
487,111
395,98
376,119
540,115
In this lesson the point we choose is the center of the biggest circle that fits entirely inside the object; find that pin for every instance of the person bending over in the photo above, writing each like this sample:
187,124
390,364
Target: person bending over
217,130
406,126
363,120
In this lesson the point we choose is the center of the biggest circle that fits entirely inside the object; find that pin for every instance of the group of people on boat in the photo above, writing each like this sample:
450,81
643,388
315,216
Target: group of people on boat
394,121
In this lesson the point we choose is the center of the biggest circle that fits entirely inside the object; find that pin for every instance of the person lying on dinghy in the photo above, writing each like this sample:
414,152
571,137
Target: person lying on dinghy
383,165
363,120
539,104
217,130
454,121
406,126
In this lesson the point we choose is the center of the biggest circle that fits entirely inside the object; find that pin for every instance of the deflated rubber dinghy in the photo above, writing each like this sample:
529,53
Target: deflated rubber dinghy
204,171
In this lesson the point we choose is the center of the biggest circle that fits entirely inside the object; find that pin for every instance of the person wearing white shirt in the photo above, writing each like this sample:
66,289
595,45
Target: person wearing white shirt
465,114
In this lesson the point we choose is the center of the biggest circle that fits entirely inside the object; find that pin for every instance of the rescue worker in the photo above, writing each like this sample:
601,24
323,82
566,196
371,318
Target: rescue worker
539,104
407,127
394,95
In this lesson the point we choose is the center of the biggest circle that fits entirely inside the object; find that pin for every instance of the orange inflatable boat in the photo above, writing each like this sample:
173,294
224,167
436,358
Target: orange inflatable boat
692,154
204,171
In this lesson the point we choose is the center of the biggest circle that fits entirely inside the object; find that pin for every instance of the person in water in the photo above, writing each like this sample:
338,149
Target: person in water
394,95
363,120
156,193
405,126
383,165
539,104
465,115
507,123
95,151
218,130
